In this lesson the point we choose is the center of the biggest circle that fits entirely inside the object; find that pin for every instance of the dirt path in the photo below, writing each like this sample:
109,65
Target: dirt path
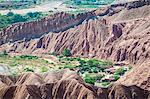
49,58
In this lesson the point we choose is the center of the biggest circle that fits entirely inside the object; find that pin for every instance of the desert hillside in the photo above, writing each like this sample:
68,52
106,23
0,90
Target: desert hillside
119,33
116,33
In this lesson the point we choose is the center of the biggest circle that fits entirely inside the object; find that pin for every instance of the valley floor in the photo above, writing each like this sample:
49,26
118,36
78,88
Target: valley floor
96,72
48,6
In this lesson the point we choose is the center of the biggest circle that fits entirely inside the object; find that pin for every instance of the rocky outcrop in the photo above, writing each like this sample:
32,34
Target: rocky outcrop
122,35
116,40
118,37
63,84
130,92
120,5
139,76
53,23
59,22
55,85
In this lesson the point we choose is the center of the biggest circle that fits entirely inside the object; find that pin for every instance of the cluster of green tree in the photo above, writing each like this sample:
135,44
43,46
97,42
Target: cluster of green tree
92,79
119,72
78,2
29,57
66,52
18,4
93,66
12,18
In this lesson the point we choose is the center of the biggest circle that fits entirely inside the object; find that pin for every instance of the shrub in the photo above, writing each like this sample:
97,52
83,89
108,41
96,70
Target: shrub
60,56
44,69
9,14
120,71
116,77
54,53
82,62
4,21
94,69
11,18
130,67
89,79
99,77
105,84
92,79
28,57
28,69
70,59
4,53
34,14
14,64
93,63
67,53
17,18
78,59
69,66
105,63
14,73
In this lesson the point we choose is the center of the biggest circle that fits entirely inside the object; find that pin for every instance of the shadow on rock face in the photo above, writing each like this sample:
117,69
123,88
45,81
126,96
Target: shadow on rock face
130,92
63,84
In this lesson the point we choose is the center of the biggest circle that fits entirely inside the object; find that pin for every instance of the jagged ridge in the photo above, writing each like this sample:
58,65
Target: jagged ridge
53,23
62,85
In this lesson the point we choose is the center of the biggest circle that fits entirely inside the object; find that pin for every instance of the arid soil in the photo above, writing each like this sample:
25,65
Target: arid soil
62,85
47,6
120,32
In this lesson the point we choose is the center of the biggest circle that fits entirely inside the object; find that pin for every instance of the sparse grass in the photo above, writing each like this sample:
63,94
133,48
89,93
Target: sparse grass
69,66
29,57
17,63
91,70
92,78
44,69
54,53
66,53
105,84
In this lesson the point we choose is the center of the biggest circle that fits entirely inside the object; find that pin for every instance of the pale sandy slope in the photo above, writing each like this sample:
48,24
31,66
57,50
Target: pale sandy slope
51,5
123,1
48,6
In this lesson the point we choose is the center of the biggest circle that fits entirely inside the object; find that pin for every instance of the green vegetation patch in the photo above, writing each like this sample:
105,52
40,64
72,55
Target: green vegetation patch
93,65
93,71
11,18
27,57
24,63
28,69
44,69
87,3
66,53
92,78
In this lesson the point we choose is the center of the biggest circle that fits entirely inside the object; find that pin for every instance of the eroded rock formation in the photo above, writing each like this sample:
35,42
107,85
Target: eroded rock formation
53,23
64,84
118,33
120,37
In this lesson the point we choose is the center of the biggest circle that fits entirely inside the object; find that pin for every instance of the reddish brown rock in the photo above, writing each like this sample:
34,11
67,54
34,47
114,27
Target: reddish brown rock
53,23
118,40
55,85
117,33
64,84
